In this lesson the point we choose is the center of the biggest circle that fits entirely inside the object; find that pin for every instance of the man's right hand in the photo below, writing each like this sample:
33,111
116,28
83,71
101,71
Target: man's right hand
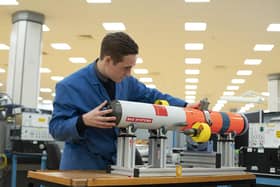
97,117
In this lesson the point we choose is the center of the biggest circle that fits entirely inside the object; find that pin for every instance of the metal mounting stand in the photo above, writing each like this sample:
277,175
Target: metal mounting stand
126,148
157,154
226,146
157,158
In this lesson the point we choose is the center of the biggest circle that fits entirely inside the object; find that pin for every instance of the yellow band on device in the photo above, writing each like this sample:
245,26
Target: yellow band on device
162,102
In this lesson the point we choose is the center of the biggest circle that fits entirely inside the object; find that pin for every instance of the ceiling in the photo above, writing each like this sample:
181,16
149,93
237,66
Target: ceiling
233,29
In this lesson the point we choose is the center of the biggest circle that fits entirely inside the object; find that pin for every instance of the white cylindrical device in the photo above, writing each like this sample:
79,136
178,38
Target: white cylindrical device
148,116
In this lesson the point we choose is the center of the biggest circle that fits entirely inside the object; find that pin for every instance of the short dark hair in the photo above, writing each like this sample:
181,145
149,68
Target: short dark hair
117,45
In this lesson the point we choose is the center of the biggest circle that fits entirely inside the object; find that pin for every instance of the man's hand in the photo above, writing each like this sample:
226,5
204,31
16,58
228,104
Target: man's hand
97,117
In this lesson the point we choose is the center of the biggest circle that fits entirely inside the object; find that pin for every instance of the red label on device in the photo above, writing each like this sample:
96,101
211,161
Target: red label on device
160,110
138,120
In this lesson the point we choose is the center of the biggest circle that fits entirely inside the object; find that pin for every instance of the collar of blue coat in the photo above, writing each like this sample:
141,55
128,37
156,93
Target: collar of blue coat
92,73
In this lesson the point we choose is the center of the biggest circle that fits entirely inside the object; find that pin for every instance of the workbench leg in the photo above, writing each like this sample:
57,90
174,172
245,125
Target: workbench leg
14,171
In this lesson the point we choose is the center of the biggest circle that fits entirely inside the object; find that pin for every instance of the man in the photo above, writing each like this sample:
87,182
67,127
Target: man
79,117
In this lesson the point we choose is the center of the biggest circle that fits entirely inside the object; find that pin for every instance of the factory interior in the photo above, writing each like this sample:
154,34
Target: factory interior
194,101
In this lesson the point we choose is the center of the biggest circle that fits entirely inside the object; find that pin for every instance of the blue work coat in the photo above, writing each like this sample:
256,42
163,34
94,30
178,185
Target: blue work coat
81,92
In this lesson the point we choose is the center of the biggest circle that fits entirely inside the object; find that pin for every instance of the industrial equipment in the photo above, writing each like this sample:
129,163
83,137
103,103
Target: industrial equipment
158,119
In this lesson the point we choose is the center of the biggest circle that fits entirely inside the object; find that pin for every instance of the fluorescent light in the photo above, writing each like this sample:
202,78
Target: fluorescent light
217,108
228,93
189,100
1,84
146,79
4,47
197,1
252,61
194,46
46,28
232,87
140,71
192,71
47,101
191,80
8,2
195,26
78,60
46,90
53,94
61,46
192,60
187,97
243,99
139,60
151,85
99,1
244,72
221,101
265,94
40,98
117,26
2,70
263,47
237,81
190,92
45,70
274,27
221,105
57,78
190,87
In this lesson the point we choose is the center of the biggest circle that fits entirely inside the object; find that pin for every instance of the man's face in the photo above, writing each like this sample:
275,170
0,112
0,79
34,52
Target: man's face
117,72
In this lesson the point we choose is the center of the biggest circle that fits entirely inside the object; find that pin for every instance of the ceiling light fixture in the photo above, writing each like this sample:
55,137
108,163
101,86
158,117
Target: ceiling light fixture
46,90
237,81
228,93
146,79
187,97
99,1
45,28
252,61
190,87
47,102
45,70
190,92
192,71
243,99
61,46
4,47
140,71
232,87
113,26
263,47
139,60
57,78
192,61
8,2
191,80
274,27
195,26
151,86
194,46
78,60
197,1
2,70
244,72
